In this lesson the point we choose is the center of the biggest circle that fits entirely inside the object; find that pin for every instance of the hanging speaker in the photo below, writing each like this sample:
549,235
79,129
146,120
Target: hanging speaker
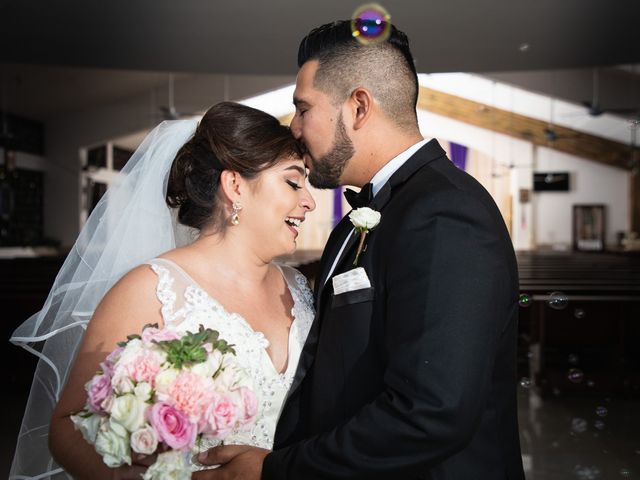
551,182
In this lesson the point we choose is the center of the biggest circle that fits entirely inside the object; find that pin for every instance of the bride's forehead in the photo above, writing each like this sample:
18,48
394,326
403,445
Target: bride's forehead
290,163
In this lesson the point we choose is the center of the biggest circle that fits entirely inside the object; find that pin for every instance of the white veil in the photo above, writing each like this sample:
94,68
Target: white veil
130,225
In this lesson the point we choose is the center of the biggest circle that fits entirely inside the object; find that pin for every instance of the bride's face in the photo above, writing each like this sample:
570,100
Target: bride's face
276,205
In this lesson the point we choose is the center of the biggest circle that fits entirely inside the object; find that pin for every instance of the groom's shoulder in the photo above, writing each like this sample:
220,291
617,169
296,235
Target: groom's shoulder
439,185
442,175
437,176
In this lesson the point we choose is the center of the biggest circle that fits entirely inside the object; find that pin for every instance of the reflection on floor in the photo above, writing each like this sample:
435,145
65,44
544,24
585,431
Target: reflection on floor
579,438
563,438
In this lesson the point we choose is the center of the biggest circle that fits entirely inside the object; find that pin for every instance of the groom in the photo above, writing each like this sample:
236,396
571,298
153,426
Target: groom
414,376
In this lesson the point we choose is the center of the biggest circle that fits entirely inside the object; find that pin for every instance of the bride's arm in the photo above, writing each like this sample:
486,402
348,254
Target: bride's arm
126,308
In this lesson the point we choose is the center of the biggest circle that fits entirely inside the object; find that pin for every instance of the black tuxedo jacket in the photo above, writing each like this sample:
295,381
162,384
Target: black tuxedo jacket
414,377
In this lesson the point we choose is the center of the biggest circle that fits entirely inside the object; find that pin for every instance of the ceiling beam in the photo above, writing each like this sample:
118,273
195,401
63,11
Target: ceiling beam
573,142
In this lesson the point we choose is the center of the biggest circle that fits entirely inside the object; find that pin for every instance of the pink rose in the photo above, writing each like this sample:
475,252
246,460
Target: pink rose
173,426
98,389
144,440
250,402
151,334
222,416
109,362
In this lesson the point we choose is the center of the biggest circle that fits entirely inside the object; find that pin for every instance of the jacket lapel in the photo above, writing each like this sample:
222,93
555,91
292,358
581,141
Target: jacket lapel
336,239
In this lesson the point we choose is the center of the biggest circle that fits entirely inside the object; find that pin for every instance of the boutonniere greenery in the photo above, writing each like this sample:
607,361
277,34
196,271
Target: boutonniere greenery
364,220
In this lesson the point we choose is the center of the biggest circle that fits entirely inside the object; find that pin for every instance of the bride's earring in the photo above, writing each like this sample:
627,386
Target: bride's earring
235,218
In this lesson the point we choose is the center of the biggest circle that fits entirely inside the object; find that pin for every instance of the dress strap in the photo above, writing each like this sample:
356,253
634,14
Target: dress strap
173,284
164,290
299,288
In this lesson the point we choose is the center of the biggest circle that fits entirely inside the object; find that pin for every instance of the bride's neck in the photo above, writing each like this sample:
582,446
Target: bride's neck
232,259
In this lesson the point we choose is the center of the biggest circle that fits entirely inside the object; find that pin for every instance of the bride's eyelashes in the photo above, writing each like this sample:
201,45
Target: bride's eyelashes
293,184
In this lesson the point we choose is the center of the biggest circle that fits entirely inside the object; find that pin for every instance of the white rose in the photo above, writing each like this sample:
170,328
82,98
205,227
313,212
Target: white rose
121,383
232,375
133,346
128,410
113,445
88,426
143,391
144,440
209,366
171,465
165,378
365,218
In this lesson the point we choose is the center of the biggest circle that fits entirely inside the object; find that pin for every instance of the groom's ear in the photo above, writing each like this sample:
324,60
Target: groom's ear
361,101
230,184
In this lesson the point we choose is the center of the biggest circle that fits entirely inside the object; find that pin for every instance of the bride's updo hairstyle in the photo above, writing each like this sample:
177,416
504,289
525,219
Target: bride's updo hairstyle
230,136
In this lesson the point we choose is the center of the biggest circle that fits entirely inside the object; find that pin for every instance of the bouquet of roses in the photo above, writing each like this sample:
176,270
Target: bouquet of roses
163,392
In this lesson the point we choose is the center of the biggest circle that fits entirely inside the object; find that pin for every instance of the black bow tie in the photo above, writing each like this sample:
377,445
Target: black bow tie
359,199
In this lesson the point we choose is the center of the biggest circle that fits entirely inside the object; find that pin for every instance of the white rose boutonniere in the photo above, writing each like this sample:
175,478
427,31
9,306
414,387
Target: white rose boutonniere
364,220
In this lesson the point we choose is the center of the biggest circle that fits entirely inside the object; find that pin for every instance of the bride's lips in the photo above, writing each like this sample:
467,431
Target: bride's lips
297,221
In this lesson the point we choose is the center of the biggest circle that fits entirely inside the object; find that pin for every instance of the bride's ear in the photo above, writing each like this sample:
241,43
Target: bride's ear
230,183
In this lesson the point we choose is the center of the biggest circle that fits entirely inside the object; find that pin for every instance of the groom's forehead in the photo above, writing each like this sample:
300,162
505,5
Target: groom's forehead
306,74
305,88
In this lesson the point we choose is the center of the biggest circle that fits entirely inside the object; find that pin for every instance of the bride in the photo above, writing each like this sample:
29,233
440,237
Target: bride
236,183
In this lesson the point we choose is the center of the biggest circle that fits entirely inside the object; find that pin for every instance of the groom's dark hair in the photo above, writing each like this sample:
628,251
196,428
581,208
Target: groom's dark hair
385,68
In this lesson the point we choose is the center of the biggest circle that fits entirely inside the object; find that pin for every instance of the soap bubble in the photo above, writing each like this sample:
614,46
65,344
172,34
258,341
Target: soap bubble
525,382
558,300
371,23
587,472
575,375
524,300
579,425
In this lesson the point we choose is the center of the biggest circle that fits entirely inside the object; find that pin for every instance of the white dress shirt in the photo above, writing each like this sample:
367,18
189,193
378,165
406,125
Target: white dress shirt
378,180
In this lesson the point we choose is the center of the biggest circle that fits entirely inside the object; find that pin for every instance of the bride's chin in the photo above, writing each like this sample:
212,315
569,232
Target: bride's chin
292,248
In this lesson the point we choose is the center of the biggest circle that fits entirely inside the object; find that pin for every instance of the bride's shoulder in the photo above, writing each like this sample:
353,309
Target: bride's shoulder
130,304
136,286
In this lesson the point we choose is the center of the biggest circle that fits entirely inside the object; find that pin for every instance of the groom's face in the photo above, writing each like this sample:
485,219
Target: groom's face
320,126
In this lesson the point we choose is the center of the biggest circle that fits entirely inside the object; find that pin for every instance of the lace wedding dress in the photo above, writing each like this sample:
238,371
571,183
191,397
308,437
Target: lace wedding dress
186,305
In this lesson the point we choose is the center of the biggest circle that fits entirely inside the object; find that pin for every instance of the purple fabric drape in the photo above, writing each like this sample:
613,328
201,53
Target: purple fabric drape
459,155
337,205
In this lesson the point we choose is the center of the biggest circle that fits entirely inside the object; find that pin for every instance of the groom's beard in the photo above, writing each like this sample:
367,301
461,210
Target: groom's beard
326,171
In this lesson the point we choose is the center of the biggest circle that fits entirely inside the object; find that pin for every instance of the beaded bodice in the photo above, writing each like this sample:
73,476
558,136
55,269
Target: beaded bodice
186,305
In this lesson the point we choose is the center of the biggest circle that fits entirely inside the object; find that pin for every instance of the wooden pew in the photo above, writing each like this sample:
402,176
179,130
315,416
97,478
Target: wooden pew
580,331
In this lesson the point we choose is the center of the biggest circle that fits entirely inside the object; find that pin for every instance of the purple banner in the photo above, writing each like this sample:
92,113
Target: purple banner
337,205
459,155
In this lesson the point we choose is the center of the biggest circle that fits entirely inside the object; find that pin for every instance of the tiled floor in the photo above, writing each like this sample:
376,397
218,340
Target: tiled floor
563,438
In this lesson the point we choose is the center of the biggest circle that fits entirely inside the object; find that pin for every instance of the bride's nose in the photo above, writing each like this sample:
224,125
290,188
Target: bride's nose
306,201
